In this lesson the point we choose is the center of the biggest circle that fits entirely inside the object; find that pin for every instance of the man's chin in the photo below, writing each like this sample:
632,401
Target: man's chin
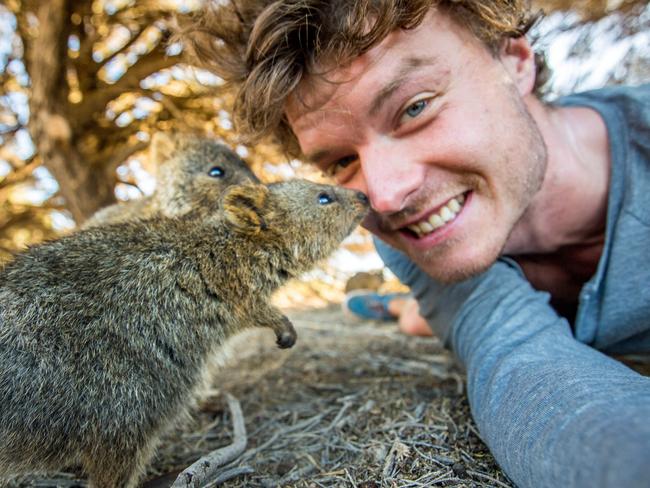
451,269
442,263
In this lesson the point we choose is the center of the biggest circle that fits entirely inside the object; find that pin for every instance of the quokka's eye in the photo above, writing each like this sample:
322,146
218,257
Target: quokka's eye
325,198
217,172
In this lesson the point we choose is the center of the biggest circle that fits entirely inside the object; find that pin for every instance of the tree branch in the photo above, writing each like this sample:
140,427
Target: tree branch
123,154
48,54
25,215
134,37
19,174
143,22
87,34
146,65
11,130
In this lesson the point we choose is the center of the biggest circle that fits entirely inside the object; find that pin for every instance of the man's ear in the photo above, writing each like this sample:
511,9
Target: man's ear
162,146
244,207
518,57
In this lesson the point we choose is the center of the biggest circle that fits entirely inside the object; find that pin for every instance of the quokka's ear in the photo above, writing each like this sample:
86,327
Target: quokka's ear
243,206
162,146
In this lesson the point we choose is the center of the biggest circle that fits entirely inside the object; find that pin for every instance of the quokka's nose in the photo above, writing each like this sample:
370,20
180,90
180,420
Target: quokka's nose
362,197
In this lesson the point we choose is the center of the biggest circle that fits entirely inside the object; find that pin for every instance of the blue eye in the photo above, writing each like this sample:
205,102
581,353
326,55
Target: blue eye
416,108
346,161
217,172
325,198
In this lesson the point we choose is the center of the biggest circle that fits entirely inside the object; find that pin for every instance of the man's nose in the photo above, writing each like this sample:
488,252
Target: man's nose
389,177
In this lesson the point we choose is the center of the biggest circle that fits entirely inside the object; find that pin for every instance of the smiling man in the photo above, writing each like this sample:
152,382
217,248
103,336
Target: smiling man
438,137
521,227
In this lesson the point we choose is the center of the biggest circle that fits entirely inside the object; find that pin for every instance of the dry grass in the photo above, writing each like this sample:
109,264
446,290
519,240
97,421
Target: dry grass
349,405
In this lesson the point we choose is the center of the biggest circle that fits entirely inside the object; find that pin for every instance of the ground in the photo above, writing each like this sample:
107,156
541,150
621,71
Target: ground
352,404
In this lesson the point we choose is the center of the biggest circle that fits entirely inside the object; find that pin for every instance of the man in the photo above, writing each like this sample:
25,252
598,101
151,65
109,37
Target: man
521,228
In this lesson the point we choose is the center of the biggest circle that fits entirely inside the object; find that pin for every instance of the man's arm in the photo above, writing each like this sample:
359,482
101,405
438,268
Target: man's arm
553,411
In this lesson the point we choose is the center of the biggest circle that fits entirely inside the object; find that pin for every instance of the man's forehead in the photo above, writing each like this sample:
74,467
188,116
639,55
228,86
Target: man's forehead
323,87
387,63
318,95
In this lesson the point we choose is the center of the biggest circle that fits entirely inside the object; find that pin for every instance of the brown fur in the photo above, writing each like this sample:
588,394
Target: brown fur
184,162
105,334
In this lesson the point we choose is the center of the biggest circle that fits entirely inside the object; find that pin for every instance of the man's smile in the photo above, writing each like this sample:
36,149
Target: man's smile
437,218
447,183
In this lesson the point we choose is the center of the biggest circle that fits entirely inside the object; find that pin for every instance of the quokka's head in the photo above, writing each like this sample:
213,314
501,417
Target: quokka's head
189,166
305,221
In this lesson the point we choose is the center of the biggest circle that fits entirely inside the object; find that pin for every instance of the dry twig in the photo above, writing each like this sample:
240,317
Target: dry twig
205,468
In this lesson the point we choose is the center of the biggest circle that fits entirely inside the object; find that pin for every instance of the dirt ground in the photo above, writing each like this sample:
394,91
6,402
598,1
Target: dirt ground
350,405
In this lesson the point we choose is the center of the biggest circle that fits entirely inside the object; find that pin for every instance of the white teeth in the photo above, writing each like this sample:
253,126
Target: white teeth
453,205
444,215
426,227
415,228
436,221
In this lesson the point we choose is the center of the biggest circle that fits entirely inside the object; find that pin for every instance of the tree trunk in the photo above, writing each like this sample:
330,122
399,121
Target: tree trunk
51,121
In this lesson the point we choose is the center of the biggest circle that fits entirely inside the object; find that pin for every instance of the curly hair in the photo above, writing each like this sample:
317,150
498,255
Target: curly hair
264,48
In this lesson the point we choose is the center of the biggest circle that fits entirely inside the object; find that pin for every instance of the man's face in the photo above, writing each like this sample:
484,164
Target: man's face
434,129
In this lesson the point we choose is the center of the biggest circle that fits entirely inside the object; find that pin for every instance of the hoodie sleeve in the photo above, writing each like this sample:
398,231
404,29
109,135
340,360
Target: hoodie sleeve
553,411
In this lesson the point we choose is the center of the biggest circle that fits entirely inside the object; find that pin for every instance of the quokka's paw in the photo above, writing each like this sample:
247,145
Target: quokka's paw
286,339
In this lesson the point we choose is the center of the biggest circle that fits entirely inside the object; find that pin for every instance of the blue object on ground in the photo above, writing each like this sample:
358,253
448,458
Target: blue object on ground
370,305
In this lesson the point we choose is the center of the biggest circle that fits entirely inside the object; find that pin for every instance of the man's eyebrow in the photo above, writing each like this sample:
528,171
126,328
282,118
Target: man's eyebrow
318,156
407,66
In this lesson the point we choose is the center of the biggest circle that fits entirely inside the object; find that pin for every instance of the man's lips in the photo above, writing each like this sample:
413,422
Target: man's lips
437,218
423,223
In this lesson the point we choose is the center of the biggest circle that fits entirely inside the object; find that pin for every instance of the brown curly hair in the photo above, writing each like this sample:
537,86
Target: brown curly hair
264,48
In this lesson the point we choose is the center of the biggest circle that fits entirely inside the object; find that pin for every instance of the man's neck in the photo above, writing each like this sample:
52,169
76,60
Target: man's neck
570,209
559,239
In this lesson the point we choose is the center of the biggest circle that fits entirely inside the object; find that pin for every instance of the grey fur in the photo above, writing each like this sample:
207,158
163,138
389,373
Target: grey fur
184,162
105,334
